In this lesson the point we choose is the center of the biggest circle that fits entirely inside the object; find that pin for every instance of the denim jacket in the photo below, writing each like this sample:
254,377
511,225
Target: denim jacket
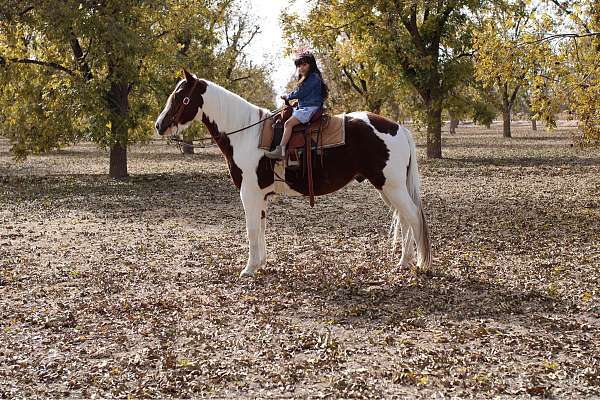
309,93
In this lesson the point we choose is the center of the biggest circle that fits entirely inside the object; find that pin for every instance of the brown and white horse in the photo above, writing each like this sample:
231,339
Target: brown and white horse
376,149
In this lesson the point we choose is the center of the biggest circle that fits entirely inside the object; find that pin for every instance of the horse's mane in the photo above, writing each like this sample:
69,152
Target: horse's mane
230,110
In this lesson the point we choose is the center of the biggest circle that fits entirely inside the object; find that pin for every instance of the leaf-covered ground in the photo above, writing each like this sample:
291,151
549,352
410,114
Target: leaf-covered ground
131,289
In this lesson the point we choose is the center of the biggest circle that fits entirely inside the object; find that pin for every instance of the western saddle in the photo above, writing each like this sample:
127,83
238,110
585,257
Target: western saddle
301,148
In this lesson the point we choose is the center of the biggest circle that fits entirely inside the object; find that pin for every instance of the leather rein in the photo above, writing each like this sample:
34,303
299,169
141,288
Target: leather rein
186,100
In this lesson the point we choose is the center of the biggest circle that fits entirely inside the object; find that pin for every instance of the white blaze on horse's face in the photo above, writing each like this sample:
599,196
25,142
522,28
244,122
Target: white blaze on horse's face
182,107
158,125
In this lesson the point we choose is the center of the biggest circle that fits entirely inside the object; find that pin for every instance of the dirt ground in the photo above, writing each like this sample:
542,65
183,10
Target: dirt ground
130,289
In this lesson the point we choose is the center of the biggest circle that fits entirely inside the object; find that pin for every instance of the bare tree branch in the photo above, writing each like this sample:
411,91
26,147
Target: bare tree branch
563,8
241,78
25,11
461,55
43,63
514,94
250,39
83,66
340,27
349,76
559,36
159,35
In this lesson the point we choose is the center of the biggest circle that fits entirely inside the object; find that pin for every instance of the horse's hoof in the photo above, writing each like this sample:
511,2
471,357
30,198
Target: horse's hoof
428,272
246,273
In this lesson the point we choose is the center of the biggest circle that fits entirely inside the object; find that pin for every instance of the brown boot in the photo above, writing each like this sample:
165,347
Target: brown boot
278,153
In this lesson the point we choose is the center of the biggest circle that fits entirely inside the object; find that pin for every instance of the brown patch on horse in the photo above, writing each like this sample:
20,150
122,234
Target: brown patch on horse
264,173
264,170
364,155
263,214
226,148
382,124
196,101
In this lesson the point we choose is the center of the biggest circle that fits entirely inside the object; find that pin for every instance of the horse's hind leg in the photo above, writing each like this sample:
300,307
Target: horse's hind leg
408,214
400,229
408,247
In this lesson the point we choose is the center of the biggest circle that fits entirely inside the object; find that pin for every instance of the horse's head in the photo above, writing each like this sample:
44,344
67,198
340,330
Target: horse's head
182,105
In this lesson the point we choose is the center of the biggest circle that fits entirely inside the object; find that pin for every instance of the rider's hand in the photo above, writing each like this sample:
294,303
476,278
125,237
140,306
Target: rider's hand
284,97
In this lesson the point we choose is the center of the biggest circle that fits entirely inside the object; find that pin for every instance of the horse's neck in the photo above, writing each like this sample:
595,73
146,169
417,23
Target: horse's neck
225,112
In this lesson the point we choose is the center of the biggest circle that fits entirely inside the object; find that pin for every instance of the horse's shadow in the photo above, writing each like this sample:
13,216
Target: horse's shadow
96,193
416,299
534,161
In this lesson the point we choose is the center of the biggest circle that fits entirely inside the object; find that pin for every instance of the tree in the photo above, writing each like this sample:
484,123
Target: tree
236,72
502,62
99,70
523,107
422,43
469,100
570,78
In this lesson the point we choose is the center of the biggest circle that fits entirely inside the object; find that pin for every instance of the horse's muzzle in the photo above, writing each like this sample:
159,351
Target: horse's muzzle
161,128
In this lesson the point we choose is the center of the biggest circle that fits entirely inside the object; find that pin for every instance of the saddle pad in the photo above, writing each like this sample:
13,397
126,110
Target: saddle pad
333,132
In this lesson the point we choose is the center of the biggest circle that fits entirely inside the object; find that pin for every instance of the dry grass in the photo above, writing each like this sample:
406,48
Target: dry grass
131,288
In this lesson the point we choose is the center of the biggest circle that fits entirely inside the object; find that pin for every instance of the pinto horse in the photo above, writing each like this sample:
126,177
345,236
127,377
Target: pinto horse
376,149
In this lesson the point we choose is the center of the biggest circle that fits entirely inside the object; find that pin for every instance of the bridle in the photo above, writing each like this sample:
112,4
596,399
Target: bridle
186,100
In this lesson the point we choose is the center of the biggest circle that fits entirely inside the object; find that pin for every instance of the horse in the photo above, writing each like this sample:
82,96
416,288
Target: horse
376,149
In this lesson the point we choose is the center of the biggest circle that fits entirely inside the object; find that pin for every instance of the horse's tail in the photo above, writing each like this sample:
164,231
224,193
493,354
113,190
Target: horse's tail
413,185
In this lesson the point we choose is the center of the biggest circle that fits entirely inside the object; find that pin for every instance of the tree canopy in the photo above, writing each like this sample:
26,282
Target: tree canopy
569,79
467,57
101,70
504,62
420,44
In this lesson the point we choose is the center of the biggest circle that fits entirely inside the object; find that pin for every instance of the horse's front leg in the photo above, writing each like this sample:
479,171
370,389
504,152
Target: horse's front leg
254,207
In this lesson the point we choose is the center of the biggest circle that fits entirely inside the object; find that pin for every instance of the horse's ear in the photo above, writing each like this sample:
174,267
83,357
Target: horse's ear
188,77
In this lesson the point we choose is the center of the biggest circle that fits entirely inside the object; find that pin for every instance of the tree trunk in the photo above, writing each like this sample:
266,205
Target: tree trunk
189,141
453,125
506,113
507,104
118,98
118,161
434,130
533,125
506,122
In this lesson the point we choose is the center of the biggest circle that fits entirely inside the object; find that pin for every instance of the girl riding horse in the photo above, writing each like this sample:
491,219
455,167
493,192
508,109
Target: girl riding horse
311,92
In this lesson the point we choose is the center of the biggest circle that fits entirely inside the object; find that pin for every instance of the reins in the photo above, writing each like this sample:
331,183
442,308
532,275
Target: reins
181,143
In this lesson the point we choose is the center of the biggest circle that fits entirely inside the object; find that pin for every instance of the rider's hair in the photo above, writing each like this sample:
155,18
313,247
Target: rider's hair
312,62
